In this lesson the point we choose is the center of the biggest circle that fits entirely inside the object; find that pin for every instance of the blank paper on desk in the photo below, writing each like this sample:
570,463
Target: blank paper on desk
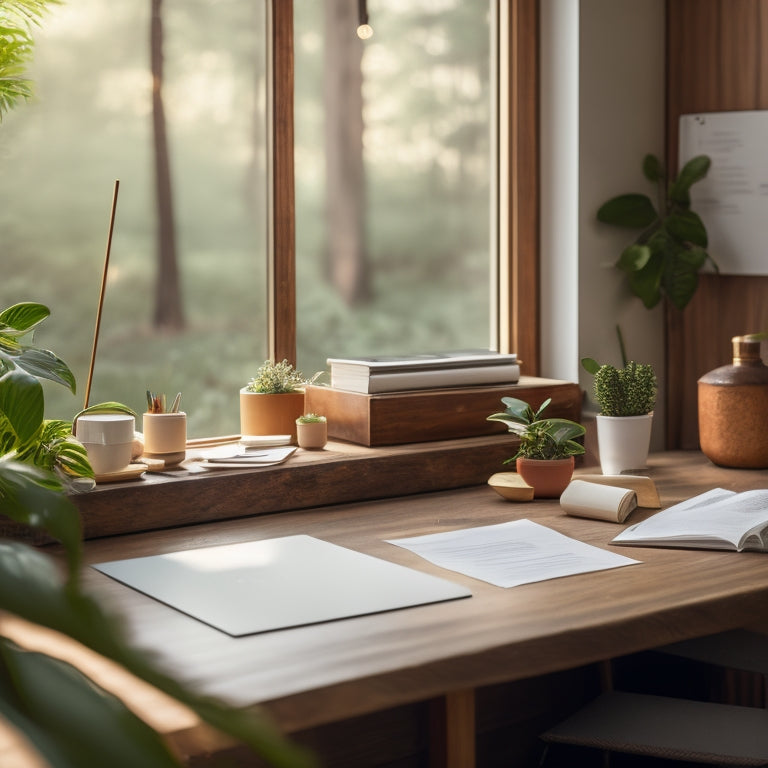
258,586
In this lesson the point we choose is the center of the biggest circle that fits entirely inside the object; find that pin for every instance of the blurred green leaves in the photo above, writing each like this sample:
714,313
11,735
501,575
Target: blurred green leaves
668,253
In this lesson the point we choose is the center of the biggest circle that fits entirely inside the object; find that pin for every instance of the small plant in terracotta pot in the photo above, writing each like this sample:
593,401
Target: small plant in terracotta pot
544,458
273,399
311,431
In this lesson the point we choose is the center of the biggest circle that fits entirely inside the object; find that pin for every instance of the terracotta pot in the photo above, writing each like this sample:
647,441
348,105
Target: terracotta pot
264,414
548,477
312,435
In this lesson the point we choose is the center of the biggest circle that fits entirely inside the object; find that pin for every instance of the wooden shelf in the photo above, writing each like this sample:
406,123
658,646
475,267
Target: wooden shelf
339,474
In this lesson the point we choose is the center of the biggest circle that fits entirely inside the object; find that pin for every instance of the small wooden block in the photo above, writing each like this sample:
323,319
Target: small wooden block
644,487
511,486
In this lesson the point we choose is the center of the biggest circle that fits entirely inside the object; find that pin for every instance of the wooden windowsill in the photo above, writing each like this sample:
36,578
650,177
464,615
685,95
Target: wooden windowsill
341,473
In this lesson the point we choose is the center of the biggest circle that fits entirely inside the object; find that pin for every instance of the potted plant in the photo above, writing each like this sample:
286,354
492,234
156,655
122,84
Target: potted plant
311,431
544,458
627,397
667,254
272,400
67,719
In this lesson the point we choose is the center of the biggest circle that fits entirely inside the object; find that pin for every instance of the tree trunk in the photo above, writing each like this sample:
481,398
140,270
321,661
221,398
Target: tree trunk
346,258
168,314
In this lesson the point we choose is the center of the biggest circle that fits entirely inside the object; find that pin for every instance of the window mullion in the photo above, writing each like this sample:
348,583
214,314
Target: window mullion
281,245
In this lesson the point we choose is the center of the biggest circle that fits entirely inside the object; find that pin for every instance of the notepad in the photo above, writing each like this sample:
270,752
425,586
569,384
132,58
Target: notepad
259,586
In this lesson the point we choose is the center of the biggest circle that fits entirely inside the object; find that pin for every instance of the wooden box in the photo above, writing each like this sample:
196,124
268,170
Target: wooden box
433,414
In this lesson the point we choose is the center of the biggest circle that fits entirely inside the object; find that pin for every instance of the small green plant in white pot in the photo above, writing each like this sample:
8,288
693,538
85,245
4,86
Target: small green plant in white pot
627,397
544,458
312,431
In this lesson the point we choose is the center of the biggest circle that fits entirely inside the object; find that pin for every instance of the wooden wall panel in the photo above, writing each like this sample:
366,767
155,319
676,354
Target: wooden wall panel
717,60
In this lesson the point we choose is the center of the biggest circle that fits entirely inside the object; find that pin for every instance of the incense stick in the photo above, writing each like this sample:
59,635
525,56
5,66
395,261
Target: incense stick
101,293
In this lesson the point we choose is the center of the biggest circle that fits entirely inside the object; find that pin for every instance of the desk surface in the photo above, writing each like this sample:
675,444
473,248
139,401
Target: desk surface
322,673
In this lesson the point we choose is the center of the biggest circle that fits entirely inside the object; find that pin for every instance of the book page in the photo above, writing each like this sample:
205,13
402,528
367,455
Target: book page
717,518
511,554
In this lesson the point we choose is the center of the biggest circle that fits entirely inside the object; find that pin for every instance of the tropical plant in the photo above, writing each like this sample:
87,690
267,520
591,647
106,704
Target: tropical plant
16,47
539,438
667,255
627,391
278,378
310,418
33,588
24,432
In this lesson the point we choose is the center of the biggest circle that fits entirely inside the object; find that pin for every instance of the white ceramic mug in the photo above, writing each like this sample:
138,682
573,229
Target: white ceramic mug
108,439
165,436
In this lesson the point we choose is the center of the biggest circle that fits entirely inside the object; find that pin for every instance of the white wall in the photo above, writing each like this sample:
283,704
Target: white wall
602,110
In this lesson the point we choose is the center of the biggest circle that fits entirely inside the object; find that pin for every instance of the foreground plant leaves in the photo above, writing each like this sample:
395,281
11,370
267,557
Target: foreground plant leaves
34,587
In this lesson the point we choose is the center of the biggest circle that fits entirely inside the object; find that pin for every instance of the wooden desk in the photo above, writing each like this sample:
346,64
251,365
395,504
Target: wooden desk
325,673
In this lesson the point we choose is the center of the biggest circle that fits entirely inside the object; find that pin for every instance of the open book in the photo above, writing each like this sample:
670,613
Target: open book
717,519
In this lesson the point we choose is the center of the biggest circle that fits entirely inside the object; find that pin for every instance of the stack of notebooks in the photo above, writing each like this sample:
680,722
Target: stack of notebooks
374,375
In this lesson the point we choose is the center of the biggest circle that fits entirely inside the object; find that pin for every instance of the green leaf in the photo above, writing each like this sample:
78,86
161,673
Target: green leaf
653,170
71,721
646,282
694,170
634,257
106,407
519,410
34,497
31,587
22,318
590,365
23,403
45,365
562,430
681,279
633,211
687,227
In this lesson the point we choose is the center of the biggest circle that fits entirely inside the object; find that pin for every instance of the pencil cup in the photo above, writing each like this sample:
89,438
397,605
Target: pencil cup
165,436
108,440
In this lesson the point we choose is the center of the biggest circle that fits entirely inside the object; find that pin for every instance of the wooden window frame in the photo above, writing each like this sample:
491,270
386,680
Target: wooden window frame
517,248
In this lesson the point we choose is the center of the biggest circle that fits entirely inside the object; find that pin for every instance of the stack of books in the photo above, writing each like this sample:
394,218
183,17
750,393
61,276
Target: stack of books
376,375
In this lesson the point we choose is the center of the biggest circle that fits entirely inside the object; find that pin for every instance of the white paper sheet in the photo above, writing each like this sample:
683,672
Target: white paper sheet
510,554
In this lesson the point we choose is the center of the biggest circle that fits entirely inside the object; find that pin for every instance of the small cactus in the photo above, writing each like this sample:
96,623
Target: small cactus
628,391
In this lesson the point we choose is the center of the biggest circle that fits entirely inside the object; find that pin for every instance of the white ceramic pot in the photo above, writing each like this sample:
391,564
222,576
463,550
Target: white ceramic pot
108,439
623,442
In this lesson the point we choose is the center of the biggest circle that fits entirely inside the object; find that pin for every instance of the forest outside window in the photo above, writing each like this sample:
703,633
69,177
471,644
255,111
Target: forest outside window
394,180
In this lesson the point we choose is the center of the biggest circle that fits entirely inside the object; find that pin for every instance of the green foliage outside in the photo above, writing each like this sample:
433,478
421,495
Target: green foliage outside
428,240
667,255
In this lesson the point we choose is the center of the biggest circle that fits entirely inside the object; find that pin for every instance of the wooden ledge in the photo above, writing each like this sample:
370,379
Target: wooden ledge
341,473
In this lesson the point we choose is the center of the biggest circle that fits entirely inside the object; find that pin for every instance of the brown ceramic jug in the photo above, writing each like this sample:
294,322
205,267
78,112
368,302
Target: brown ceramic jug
733,409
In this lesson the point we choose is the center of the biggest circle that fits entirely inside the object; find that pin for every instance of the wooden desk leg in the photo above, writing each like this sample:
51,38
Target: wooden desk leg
452,730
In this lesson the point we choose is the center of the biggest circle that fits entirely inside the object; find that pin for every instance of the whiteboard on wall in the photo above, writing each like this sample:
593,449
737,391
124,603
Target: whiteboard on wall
733,198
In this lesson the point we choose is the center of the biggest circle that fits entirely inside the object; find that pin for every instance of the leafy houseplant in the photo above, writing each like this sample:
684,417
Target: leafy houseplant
273,399
550,442
669,251
627,397
68,720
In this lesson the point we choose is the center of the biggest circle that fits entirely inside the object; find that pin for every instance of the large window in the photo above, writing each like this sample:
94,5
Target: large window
185,304
395,144
394,177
